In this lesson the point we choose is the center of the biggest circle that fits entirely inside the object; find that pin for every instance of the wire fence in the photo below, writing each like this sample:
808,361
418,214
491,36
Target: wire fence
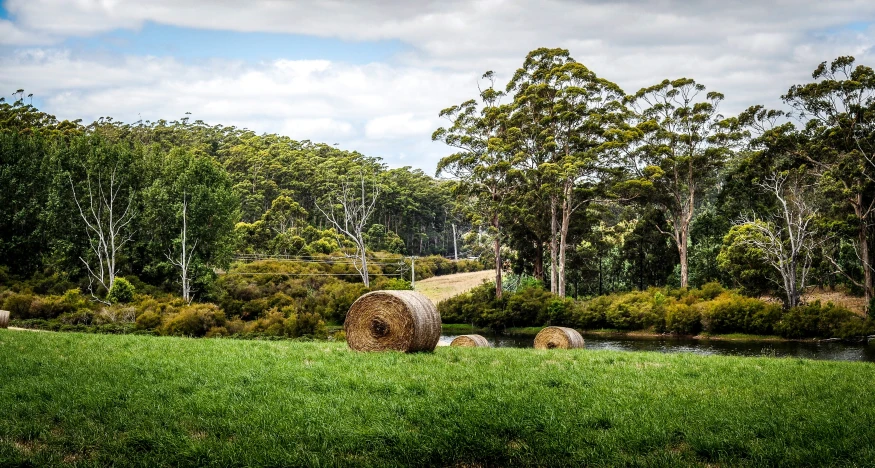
401,270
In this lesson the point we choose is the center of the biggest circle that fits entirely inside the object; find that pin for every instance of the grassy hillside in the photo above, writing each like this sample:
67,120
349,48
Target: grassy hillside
438,288
138,400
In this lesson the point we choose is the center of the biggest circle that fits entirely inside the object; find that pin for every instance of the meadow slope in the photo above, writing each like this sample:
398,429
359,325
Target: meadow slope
438,288
136,400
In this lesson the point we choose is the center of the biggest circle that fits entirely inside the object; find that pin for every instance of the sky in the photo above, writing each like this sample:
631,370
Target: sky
372,76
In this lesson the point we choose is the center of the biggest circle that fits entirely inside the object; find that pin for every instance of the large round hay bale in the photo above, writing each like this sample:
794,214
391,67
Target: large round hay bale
393,321
558,338
4,319
470,341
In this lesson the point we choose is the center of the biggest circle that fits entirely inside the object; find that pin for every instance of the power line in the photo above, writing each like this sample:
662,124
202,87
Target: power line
307,274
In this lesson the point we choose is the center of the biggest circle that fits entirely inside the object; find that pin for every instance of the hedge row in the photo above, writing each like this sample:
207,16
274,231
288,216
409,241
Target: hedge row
710,309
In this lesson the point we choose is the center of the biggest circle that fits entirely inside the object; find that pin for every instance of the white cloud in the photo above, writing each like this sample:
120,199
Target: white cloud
399,125
750,51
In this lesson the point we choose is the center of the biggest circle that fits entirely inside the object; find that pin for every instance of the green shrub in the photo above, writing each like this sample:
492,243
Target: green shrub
527,307
18,305
800,322
818,320
731,313
632,311
592,314
194,320
683,319
560,311
764,319
80,317
856,327
339,335
710,290
393,284
833,319
148,321
305,324
122,291
471,307
216,332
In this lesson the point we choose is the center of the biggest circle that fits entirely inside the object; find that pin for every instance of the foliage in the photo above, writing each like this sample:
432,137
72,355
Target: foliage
683,319
711,309
121,291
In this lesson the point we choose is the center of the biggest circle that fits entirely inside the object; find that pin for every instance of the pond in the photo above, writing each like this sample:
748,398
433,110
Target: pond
831,351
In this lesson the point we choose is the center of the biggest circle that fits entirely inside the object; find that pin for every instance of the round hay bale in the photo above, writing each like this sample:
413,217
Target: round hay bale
4,319
470,341
558,338
393,321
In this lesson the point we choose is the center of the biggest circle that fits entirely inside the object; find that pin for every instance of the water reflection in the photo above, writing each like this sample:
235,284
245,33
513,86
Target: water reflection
831,351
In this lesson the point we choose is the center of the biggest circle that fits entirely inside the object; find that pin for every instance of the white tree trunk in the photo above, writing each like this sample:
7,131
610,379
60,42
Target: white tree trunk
185,255
356,209
106,229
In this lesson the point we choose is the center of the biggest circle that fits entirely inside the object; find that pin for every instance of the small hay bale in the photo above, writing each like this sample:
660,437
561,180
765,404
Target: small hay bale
4,319
470,341
558,338
393,321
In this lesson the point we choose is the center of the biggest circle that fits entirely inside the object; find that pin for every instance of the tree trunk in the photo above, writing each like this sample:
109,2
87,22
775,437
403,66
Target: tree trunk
538,267
863,238
496,245
554,247
682,238
563,236
600,274
365,275
867,262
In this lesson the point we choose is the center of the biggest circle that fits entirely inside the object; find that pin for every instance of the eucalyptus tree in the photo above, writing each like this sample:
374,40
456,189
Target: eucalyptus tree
570,122
189,211
787,239
483,161
838,109
681,148
105,204
348,209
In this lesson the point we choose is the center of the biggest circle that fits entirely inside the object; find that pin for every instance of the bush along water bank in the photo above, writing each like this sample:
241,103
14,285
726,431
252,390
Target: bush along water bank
708,312
262,299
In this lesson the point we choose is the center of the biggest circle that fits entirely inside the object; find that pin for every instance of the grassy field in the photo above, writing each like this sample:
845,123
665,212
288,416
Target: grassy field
137,400
438,288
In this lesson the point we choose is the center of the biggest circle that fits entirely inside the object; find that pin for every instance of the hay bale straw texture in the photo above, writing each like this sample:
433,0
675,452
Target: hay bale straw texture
393,321
558,338
4,319
470,341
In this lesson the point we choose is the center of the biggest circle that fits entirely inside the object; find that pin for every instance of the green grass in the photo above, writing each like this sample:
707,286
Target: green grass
523,331
138,400
461,329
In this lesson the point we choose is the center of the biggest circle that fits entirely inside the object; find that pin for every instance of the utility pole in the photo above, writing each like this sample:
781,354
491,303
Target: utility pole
412,272
455,249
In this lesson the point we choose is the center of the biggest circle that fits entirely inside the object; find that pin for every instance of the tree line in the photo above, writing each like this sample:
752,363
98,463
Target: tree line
173,202
581,183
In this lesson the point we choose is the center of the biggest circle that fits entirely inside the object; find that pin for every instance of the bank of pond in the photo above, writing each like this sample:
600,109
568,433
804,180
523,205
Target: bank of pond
266,306
830,350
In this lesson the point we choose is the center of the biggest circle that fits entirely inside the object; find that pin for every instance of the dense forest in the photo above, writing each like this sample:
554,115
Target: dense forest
591,189
561,180
117,196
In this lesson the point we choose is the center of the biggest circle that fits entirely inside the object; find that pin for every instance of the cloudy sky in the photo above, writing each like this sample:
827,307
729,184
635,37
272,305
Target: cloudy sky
373,75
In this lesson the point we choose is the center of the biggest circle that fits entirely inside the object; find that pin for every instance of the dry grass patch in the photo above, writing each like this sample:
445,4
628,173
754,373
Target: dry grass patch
438,288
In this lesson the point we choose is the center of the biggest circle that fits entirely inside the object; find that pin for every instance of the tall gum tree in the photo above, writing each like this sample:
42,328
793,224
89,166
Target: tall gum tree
568,121
838,109
482,164
681,150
